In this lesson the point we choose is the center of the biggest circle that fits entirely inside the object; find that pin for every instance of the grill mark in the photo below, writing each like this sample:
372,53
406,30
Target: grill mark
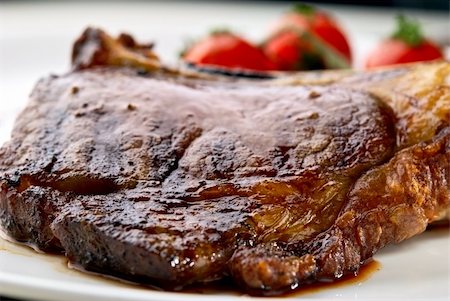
188,137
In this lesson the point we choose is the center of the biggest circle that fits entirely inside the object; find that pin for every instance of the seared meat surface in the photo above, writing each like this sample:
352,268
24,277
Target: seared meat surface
168,179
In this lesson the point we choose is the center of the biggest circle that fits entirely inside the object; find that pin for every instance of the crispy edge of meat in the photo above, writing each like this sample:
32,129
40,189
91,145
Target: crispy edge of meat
380,210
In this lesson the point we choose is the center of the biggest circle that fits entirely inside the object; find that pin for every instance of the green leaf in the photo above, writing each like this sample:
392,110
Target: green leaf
408,31
219,31
304,9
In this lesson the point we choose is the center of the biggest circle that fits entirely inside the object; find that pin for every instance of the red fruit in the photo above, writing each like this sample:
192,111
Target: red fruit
391,52
327,29
228,50
289,52
284,50
406,45
291,49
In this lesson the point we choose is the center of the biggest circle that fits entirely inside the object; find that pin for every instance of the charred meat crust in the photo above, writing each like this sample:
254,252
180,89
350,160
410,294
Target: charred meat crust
380,210
231,162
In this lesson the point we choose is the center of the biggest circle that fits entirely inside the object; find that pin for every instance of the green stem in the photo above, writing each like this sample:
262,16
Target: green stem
408,31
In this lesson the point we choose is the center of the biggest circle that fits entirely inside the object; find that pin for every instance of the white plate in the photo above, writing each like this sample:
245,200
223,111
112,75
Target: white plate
35,39
417,269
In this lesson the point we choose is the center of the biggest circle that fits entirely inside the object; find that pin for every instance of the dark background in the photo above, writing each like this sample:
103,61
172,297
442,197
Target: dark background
440,5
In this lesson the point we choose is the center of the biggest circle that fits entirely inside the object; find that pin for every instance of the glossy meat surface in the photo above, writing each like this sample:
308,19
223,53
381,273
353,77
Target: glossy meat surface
168,179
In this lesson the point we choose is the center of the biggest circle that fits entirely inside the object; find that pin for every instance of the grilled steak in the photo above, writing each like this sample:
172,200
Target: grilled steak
171,177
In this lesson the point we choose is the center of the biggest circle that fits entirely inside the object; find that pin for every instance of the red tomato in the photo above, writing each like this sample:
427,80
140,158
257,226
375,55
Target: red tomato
406,45
327,29
288,39
289,52
391,52
285,50
228,50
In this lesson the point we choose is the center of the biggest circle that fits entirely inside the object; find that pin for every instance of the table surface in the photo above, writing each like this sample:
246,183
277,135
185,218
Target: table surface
35,38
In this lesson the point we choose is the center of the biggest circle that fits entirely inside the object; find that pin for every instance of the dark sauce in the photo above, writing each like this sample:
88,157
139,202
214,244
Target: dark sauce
230,288
365,272
443,225
222,287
